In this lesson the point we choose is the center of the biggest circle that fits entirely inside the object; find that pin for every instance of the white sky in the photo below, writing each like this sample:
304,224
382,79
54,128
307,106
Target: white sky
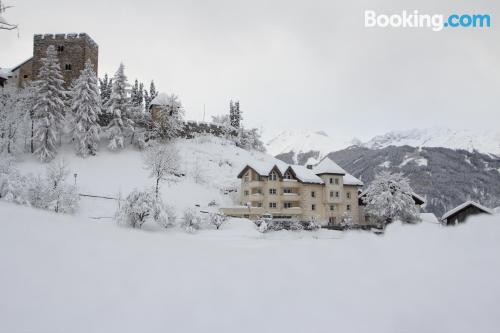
292,64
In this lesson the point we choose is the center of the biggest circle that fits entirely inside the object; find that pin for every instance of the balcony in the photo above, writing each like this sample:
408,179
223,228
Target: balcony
292,183
291,196
255,197
292,211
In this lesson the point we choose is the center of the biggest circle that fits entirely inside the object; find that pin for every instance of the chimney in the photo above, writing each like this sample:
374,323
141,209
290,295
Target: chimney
309,166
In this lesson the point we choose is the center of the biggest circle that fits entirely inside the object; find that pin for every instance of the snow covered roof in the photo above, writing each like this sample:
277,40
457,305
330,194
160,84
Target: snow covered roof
305,175
264,168
351,180
160,99
327,166
5,72
466,205
16,67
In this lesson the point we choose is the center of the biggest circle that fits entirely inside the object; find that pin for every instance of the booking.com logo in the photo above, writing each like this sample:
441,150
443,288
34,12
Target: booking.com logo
436,22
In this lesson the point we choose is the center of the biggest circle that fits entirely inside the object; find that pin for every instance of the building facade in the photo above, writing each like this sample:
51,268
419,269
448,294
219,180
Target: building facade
325,193
73,51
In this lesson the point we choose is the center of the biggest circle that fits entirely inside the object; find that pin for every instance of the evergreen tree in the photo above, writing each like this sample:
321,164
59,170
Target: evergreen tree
148,97
235,114
120,109
86,107
49,107
105,86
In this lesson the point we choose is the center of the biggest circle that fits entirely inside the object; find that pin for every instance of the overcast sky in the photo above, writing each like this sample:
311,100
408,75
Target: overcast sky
292,64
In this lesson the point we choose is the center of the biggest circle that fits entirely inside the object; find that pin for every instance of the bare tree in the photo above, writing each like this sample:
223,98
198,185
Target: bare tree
4,25
162,160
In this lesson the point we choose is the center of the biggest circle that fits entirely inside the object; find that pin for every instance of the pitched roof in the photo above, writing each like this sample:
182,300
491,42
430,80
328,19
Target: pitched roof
466,205
351,180
327,166
305,175
264,168
25,61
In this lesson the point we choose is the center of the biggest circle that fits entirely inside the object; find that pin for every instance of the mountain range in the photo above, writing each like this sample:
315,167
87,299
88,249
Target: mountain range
445,166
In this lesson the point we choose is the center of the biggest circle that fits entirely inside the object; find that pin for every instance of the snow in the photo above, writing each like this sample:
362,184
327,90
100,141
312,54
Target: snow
306,175
429,218
161,99
464,205
351,180
215,162
327,166
70,274
303,141
386,164
420,161
486,142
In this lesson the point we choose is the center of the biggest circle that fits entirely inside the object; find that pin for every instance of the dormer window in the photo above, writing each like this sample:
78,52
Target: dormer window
288,175
273,176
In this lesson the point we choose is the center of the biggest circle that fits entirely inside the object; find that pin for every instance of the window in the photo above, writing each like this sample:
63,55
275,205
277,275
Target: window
348,207
313,194
246,193
348,194
288,175
331,180
272,205
287,205
336,181
337,194
67,67
25,76
246,179
331,194
287,190
259,204
332,220
273,176
272,191
332,207
60,48
313,207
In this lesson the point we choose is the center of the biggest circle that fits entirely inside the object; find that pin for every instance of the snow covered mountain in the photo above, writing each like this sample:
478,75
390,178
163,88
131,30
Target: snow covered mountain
486,142
305,141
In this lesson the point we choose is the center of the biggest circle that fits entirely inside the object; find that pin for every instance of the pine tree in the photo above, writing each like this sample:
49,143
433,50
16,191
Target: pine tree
235,114
105,86
50,106
148,97
120,109
86,107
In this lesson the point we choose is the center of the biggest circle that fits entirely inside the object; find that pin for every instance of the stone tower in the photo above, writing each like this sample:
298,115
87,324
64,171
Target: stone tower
73,51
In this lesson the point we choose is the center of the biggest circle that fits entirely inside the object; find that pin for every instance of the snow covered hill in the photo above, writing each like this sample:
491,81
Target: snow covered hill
210,166
304,142
486,142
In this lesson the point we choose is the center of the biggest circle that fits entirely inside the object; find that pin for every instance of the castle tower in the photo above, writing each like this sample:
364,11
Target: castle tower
73,51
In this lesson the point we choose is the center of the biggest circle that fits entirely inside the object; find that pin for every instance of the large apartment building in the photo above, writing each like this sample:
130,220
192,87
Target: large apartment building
325,192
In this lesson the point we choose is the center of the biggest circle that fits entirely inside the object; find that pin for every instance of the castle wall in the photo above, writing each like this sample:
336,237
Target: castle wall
73,52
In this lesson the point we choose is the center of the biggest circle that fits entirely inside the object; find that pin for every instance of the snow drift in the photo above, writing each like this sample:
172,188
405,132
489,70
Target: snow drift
69,274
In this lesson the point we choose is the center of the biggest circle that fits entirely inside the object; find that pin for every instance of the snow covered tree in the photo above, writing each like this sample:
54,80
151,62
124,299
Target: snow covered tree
216,219
105,87
190,220
86,107
11,119
168,123
50,106
12,184
140,207
249,140
120,109
162,161
149,96
235,114
137,94
59,196
390,197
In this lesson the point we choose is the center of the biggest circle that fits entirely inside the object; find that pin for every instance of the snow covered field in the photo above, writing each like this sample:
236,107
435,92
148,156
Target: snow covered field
70,274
